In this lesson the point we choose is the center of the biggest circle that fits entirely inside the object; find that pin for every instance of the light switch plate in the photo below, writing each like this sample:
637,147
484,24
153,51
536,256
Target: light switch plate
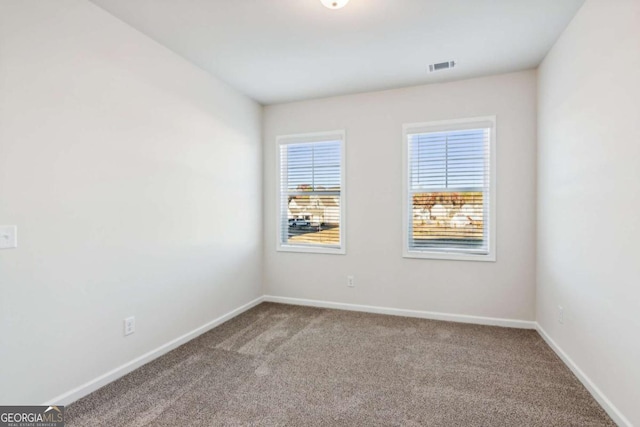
8,236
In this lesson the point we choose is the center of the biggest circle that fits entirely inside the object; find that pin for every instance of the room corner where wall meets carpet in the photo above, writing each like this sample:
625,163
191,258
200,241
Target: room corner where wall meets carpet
279,364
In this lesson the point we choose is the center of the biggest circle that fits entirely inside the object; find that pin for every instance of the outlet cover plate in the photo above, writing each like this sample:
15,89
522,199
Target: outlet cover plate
8,236
129,325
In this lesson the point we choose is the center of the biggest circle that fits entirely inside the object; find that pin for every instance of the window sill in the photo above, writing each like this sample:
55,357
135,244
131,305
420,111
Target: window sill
311,249
450,256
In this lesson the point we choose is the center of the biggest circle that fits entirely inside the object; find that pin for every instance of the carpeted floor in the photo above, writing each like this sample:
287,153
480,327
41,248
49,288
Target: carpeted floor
278,365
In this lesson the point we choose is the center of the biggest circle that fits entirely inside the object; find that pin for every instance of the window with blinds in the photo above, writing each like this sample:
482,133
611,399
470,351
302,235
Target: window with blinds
449,197
311,193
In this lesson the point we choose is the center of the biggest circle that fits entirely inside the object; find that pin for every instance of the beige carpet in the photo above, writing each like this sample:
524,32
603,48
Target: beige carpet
278,365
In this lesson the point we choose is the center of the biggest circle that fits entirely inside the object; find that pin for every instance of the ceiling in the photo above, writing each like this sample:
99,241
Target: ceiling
284,50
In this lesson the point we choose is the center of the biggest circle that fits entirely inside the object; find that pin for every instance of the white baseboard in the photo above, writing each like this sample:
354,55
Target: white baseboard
120,371
597,394
462,318
114,374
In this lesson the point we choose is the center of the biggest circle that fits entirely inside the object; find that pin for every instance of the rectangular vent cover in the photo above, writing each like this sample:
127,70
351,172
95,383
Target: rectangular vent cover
441,66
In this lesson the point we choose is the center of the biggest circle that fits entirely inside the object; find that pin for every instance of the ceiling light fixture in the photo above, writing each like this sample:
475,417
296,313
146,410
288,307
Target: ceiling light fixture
334,4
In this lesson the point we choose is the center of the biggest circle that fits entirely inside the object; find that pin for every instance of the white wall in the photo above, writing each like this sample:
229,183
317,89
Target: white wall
134,180
589,200
373,123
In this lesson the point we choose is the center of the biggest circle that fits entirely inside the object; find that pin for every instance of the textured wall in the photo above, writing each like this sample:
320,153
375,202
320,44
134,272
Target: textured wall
134,180
588,233
373,123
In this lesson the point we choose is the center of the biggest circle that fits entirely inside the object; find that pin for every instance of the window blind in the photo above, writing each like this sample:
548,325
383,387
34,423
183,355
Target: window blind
449,190
311,193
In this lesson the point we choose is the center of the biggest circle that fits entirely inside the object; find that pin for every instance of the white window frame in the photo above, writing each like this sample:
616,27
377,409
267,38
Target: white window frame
452,253
309,138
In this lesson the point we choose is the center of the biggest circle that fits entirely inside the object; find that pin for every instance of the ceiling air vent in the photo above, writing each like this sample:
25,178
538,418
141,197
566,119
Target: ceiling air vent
441,66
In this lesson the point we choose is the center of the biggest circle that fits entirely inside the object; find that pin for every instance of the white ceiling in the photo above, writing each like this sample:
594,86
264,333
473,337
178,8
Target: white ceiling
284,50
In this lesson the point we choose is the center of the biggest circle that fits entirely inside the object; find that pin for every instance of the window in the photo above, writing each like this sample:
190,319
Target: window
449,196
311,193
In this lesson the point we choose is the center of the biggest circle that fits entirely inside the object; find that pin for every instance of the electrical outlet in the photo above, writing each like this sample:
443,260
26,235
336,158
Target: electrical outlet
560,314
8,237
129,325
351,282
